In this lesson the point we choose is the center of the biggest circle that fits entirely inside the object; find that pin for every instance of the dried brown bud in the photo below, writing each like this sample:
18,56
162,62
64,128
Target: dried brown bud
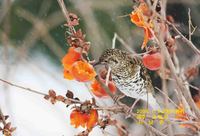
60,98
69,94
74,21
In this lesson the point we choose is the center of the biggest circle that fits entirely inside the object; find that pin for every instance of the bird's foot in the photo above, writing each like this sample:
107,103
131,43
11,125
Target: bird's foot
118,97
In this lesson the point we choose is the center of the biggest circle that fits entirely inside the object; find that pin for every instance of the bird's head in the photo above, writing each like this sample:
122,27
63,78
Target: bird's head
112,58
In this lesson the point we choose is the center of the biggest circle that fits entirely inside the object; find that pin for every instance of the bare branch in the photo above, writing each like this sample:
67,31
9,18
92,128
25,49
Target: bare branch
24,88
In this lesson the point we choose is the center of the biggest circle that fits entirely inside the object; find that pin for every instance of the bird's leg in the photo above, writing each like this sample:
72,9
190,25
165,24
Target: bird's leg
132,107
118,97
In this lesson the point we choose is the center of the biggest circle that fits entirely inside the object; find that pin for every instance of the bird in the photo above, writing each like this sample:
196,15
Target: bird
129,75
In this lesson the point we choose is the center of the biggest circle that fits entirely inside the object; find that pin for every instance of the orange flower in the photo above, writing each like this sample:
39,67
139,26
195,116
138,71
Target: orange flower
79,118
71,57
98,91
147,36
68,75
152,61
93,118
76,69
137,19
83,71
140,18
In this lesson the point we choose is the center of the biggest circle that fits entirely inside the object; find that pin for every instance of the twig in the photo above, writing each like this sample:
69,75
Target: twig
109,69
194,87
189,24
167,97
24,88
133,53
108,76
124,43
65,12
114,41
155,4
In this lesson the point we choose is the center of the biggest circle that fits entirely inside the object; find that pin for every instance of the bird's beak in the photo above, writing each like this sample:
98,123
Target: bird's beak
98,63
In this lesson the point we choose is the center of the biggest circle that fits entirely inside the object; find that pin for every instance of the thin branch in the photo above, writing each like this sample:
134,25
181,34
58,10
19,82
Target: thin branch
24,88
189,24
66,13
108,76
124,44
167,97
189,43
155,4
114,41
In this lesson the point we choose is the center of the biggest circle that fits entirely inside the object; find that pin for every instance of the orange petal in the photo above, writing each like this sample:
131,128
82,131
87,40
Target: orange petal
71,57
68,75
83,71
77,118
140,17
137,19
74,118
93,118
112,87
147,36
98,90
152,61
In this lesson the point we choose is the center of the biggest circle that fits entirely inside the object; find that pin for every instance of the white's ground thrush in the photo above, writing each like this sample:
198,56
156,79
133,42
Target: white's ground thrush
129,75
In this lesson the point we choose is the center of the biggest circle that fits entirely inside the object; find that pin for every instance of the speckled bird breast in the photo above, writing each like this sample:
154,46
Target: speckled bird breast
131,85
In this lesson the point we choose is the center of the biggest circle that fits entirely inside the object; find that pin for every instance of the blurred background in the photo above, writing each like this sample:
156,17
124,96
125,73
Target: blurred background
33,42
